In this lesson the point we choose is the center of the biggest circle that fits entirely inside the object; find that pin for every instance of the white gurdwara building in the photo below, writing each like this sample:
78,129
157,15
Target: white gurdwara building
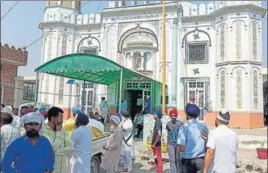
214,53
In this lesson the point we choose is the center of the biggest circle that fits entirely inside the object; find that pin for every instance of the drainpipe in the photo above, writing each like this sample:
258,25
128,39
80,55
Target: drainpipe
174,63
84,97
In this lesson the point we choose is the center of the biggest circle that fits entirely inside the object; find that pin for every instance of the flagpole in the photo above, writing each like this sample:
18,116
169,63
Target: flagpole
163,57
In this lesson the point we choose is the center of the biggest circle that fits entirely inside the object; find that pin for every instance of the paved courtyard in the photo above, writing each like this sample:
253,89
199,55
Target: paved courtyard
247,158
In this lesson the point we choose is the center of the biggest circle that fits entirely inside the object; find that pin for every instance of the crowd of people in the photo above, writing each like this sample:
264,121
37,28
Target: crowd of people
36,142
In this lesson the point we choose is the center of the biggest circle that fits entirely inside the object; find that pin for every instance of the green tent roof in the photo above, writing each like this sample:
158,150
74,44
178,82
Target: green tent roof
88,67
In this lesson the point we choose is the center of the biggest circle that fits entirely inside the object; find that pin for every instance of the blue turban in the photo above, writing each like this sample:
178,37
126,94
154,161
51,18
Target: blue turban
76,110
192,110
42,108
82,119
159,113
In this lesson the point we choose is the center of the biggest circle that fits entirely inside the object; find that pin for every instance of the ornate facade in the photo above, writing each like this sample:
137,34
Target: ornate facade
213,52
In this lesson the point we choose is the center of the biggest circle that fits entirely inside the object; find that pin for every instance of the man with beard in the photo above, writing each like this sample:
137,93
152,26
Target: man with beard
58,138
222,146
31,153
192,141
8,132
173,127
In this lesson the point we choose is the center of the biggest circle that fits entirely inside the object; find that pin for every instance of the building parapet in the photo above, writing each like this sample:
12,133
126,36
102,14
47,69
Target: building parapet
11,54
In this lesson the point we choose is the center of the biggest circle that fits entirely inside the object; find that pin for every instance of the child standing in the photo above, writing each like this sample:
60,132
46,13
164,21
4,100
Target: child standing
173,127
156,141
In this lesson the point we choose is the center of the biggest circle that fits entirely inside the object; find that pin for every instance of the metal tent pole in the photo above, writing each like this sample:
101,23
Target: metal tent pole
37,88
84,97
120,88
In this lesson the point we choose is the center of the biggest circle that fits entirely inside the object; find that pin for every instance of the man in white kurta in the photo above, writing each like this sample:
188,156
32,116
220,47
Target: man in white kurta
127,151
222,147
81,140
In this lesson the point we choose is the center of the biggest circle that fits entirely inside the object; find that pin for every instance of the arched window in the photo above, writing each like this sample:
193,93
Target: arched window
254,40
255,89
146,60
137,64
222,81
238,39
239,88
222,42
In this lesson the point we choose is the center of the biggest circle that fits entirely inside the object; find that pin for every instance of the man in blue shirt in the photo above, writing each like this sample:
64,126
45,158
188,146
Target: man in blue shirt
31,153
192,141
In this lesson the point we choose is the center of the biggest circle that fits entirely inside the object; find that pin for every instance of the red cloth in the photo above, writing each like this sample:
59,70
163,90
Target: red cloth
158,159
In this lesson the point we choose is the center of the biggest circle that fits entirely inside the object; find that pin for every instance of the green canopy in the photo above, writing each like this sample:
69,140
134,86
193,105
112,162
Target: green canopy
88,67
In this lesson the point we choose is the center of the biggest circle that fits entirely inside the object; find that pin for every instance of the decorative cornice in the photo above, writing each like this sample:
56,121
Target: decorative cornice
140,9
14,56
93,26
238,63
225,10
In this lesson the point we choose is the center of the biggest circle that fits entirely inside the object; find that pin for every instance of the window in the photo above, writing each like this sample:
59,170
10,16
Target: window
88,85
2,93
90,98
91,51
29,91
197,53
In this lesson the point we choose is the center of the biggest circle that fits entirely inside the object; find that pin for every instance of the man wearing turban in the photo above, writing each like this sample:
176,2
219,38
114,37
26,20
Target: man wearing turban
191,141
81,140
112,149
8,132
127,150
31,153
222,146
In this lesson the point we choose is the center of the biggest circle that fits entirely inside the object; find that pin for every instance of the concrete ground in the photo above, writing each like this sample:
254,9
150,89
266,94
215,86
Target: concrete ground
245,158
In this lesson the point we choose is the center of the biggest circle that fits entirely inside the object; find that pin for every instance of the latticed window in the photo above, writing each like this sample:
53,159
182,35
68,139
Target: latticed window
90,98
222,77
239,88
254,40
238,39
255,89
222,43
29,91
196,53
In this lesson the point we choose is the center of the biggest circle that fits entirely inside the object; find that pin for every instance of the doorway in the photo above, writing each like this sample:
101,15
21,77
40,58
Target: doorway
132,96
196,95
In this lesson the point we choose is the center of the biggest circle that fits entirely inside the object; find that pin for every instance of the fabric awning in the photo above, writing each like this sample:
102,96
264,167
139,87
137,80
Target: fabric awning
90,68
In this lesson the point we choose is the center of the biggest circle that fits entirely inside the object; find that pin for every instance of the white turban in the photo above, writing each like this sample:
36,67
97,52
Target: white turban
32,117
115,119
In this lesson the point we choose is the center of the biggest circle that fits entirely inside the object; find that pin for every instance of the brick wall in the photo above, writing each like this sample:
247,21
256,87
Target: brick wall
8,74
11,58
